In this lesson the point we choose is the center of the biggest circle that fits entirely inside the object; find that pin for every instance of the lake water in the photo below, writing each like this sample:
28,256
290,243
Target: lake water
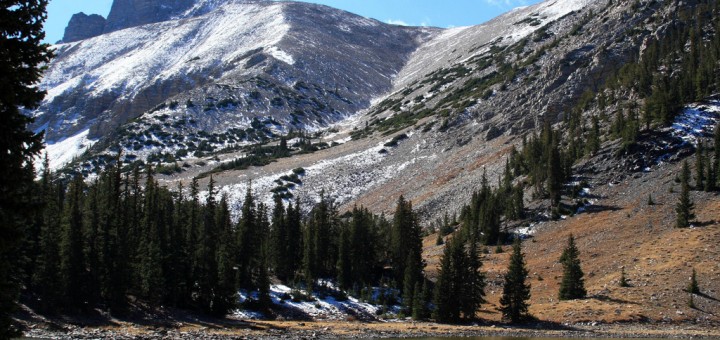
512,338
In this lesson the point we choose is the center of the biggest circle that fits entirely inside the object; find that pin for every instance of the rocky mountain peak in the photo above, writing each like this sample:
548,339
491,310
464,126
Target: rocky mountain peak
132,13
83,26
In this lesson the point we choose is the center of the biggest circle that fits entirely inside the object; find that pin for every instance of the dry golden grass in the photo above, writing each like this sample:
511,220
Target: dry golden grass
658,258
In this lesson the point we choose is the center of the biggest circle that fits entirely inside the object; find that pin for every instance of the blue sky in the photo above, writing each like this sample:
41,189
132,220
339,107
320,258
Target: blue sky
440,13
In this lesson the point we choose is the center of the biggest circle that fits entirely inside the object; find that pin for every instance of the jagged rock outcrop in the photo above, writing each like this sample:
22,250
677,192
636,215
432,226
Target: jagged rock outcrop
83,26
131,13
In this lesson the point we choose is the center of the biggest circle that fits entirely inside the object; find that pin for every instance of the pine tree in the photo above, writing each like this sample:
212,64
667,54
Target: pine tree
716,158
21,59
279,232
623,279
693,287
248,241
700,167
406,245
439,240
685,206
554,176
572,285
72,258
460,288
419,309
206,275
46,274
516,292
225,292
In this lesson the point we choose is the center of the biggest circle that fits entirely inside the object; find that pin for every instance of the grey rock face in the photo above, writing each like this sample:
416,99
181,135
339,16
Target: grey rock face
83,26
131,13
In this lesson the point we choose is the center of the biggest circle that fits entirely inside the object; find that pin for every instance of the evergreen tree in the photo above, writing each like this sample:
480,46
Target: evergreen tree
716,159
46,274
206,275
294,245
685,206
623,279
72,258
693,287
406,245
22,57
554,176
225,294
248,241
459,290
344,266
261,272
700,167
572,285
420,299
516,292
152,283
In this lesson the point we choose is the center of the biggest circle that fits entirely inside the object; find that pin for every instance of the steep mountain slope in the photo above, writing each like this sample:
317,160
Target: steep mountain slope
223,63
460,118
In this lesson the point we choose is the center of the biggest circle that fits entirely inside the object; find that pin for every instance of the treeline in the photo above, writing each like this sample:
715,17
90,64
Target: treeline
122,236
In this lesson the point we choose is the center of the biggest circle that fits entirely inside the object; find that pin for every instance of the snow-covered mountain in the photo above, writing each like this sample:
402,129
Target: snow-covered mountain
221,64
421,112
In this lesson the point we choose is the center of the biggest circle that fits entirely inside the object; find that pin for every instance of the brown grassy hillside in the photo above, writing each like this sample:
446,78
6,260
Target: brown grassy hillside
621,230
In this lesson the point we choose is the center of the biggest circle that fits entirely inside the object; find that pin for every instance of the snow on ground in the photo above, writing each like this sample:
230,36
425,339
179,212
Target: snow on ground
323,308
696,121
62,152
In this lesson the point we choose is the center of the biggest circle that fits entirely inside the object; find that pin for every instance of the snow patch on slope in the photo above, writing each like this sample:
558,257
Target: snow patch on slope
64,151
697,121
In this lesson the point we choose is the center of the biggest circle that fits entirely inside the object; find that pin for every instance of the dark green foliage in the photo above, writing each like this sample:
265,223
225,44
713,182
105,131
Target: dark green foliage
72,257
693,287
623,279
421,299
460,288
516,291
685,206
700,167
650,200
572,285
22,56
406,247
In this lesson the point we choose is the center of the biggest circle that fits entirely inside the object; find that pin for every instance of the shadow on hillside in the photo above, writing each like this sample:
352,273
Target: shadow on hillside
605,298
708,297
594,209
701,224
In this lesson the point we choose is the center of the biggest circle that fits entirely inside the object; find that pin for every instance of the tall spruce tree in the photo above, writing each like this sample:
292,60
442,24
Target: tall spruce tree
248,241
460,288
72,257
225,294
700,166
406,245
46,273
572,285
685,206
516,291
22,56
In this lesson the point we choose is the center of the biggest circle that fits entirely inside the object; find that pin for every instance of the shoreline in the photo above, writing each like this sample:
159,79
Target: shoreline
367,330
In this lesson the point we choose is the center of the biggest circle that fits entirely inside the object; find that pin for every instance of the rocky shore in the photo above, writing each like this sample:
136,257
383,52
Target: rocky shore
360,330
